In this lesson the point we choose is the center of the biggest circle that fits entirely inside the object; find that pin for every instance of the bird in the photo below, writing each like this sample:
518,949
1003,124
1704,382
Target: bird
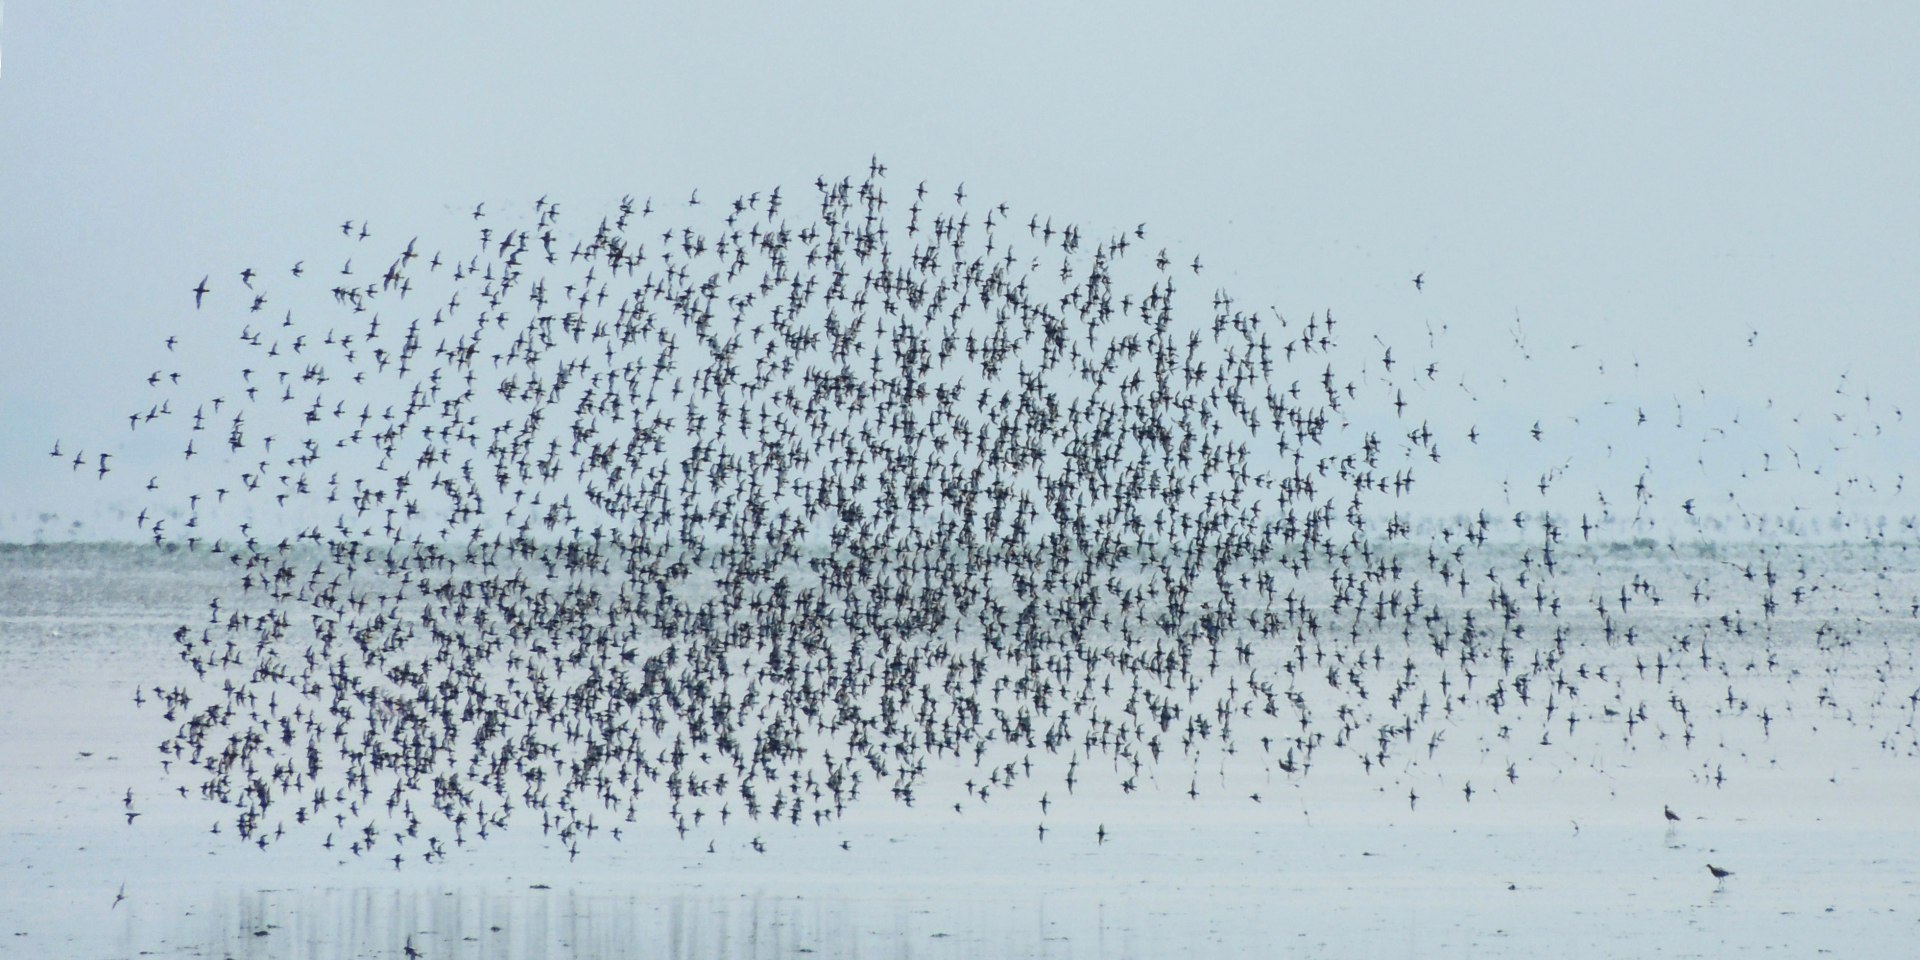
1719,873
1671,816
200,291
767,508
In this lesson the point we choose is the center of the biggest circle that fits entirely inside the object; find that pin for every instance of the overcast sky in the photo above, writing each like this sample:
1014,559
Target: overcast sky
1718,203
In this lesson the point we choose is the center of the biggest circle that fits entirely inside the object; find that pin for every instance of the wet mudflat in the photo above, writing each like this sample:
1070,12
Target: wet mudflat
1573,857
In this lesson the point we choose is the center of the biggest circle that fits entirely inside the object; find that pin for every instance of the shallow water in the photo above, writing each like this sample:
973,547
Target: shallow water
1571,858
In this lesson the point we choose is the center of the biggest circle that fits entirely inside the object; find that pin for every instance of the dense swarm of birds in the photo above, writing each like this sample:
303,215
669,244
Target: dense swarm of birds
759,507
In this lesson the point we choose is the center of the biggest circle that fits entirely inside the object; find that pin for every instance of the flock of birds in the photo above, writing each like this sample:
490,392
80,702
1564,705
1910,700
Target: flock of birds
759,507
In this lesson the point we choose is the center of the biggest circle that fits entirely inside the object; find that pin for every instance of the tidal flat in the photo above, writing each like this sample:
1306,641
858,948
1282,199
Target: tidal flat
1219,853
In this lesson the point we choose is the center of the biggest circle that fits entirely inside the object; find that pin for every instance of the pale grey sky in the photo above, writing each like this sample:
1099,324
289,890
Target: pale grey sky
1727,194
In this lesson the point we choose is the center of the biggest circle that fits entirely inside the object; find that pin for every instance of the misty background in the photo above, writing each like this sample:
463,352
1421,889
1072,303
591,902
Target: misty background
1707,216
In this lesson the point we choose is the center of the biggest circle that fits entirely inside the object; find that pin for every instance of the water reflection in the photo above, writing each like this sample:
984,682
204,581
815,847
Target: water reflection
538,924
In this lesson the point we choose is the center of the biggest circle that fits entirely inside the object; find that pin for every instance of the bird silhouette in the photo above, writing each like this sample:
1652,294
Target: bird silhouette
776,506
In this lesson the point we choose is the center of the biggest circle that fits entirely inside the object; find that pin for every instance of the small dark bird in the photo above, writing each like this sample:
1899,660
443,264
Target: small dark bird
122,895
1718,874
902,449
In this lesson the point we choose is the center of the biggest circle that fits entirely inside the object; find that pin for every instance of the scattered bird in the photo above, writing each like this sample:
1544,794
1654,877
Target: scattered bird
770,511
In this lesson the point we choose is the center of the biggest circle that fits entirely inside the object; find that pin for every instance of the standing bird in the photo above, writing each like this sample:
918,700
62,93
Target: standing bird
1671,816
1718,874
